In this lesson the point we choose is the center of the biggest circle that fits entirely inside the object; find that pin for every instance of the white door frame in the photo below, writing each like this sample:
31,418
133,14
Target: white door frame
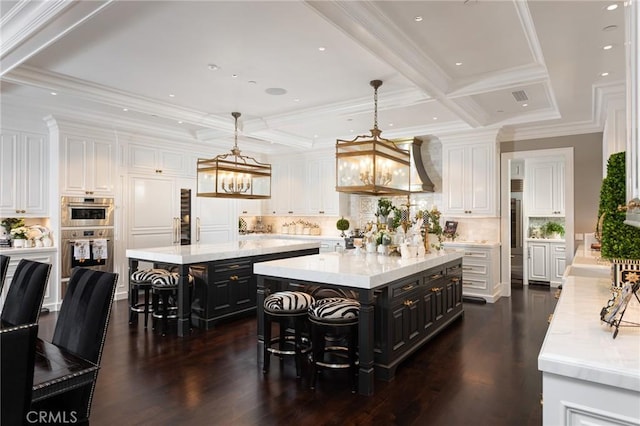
505,195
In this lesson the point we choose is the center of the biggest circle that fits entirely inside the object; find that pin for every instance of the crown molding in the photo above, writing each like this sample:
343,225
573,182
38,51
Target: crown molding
604,96
548,131
31,26
500,80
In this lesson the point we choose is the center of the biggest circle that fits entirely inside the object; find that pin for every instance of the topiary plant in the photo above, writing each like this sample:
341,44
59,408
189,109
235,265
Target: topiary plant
342,224
618,241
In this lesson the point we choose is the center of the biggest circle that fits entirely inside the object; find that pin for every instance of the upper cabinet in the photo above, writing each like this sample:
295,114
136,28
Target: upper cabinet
88,165
469,179
544,187
151,159
24,171
287,189
322,197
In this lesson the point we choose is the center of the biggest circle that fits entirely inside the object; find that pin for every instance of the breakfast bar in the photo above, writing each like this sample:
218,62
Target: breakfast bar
403,301
183,256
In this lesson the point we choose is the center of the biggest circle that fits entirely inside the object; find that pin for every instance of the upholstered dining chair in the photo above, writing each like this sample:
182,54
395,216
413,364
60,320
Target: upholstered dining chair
17,359
81,328
4,266
26,293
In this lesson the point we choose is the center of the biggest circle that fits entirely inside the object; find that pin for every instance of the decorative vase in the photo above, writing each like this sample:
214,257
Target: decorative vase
18,242
371,247
46,241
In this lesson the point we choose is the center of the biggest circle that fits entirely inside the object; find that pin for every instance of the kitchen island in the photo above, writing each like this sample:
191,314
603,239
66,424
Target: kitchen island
215,258
588,377
403,302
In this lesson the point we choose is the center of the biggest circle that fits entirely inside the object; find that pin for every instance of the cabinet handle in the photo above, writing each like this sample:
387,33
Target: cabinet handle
436,289
407,287
455,279
233,278
198,229
436,276
290,212
244,212
528,252
409,303
321,212
234,266
467,268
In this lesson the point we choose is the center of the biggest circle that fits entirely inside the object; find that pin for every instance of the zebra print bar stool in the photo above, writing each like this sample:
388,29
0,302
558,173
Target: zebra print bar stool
334,337
165,298
141,280
289,310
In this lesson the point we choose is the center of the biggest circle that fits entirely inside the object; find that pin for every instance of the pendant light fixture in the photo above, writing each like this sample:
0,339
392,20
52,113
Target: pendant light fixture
234,175
370,164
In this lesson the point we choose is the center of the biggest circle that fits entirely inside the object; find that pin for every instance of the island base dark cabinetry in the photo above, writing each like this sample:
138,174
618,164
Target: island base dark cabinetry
411,311
227,288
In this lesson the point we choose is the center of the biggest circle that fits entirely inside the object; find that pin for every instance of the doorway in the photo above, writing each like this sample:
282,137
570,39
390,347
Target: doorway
507,159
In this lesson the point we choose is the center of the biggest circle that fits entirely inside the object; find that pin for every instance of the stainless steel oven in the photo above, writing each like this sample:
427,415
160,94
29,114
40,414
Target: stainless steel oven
86,212
84,247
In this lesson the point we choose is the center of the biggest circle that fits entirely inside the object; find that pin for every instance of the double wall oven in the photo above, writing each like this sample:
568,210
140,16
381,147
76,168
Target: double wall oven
86,235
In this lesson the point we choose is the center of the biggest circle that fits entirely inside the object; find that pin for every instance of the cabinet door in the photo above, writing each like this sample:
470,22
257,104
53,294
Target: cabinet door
453,179
153,211
102,169
149,159
321,195
558,261
538,258
214,220
544,185
51,296
24,172
88,166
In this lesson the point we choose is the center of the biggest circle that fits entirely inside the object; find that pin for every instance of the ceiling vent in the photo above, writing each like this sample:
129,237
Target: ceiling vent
520,96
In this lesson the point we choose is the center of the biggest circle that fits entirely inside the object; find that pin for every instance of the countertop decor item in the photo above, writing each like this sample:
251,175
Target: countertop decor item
234,175
553,230
342,224
370,164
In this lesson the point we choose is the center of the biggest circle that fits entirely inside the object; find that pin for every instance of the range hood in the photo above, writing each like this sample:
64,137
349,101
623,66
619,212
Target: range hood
423,183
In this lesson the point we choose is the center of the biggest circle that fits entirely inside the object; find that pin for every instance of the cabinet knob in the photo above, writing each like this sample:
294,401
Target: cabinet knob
290,212
233,278
408,303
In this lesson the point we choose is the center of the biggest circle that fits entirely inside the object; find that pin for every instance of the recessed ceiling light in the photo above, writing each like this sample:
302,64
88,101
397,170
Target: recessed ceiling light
171,95
125,109
458,64
296,100
435,118
604,74
252,82
213,67
525,105
390,124
54,93
180,121
349,119
351,130
234,75
418,19
612,6
610,28
322,48
315,136
608,47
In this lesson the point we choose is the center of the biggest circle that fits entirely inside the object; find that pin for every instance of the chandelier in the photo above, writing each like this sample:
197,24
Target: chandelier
234,175
370,164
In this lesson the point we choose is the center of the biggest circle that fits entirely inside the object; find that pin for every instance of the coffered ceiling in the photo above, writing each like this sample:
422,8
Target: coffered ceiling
299,71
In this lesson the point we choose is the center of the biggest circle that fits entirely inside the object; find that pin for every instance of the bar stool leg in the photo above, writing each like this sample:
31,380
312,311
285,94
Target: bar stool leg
267,342
298,345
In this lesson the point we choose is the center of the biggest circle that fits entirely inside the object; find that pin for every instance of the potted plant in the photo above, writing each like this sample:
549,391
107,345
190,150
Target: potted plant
342,224
385,207
553,230
19,235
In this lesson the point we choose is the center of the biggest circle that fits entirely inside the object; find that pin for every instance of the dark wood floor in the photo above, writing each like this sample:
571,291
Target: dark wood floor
480,371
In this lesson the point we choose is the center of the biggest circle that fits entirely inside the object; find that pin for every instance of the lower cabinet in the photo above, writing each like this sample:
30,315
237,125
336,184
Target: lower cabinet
410,312
546,261
227,288
51,299
481,265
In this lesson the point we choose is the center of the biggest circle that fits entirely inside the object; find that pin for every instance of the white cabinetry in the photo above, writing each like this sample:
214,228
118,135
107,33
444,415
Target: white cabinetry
288,189
480,270
544,187
88,165
215,221
250,207
149,159
469,179
322,197
24,171
47,255
546,261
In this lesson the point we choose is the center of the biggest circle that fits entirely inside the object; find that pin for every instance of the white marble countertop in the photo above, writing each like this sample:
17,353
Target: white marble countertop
482,243
8,251
580,346
365,270
258,236
196,253
587,257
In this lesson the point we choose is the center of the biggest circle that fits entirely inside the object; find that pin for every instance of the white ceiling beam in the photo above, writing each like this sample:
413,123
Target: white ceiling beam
31,26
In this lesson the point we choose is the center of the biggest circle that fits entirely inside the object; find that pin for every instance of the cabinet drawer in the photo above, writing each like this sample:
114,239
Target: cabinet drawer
402,288
235,265
477,269
476,254
475,282
434,276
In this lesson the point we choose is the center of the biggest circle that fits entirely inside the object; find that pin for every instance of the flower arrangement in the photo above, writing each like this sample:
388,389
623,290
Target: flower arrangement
11,222
20,233
385,207
433,218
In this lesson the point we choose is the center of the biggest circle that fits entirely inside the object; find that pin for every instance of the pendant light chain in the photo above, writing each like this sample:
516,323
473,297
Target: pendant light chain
235,150
375,108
